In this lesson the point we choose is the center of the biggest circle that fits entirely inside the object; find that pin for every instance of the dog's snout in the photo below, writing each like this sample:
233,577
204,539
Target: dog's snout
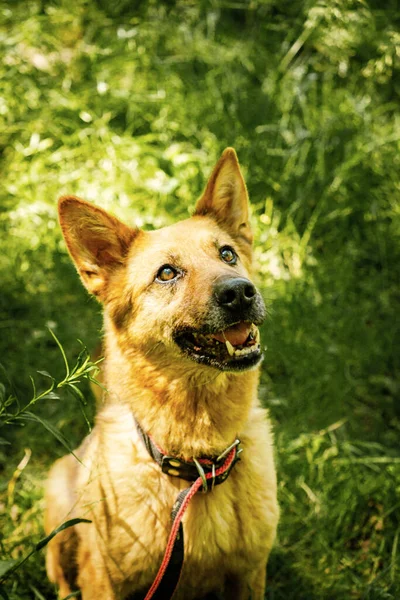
235,292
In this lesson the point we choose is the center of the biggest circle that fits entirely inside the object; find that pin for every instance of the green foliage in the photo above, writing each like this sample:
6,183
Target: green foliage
129,105
10,567
341,499
12,413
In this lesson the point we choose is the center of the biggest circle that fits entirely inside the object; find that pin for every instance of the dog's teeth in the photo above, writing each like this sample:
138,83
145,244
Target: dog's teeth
230,348
257,338
243,351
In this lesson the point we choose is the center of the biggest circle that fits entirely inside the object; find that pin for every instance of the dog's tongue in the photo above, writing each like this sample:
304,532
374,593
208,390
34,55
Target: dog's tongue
236,335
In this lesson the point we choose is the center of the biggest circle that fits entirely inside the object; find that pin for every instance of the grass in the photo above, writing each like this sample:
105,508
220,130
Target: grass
129,105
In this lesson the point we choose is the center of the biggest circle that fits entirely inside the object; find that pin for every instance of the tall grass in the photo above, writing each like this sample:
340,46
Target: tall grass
129,105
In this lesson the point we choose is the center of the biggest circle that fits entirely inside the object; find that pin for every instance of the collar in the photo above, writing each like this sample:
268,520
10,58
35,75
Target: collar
195,468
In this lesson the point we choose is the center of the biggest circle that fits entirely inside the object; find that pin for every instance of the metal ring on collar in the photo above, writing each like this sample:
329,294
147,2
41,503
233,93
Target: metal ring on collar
227,450
201,473
213,477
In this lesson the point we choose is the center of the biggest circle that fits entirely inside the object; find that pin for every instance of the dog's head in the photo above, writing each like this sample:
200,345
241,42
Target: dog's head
183,291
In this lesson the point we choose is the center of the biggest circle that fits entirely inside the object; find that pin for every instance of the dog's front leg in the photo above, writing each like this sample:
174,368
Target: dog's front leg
246,587
94,590
93,579
258,583
236,587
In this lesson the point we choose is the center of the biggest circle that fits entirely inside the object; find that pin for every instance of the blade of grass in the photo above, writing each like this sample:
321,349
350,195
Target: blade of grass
14,565
62,352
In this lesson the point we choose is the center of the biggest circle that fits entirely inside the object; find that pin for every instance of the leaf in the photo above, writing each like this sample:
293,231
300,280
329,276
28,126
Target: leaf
77,393
98,383
62,352
33,386
65,525
86,419
28,416
83,356
52,396
46,374
37,593
93,367
4,442
73,595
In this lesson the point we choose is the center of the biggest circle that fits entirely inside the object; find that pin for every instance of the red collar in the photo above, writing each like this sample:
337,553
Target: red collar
194,468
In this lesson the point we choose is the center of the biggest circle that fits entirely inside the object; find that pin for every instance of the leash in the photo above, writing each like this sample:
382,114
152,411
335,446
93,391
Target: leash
205,473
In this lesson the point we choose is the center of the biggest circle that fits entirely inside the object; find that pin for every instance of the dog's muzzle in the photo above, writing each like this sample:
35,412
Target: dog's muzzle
228,339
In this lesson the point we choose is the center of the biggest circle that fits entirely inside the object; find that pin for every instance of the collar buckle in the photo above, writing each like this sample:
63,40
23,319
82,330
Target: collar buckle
170,465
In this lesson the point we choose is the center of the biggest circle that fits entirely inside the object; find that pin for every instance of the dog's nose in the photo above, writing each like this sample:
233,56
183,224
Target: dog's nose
234,293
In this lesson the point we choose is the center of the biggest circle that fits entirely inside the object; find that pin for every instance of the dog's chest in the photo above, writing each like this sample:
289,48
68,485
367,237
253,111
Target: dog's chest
225,530
221,532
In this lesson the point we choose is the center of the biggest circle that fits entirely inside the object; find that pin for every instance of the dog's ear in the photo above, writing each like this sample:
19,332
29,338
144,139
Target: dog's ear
225,197
97,241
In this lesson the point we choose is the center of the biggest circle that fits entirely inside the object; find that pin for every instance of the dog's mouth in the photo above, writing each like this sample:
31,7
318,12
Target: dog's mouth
234,349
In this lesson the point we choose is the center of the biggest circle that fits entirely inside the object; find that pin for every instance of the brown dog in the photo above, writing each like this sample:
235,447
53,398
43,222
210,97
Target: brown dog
182,351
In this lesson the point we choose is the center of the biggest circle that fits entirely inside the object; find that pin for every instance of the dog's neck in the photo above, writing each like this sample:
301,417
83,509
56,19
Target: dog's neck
189,411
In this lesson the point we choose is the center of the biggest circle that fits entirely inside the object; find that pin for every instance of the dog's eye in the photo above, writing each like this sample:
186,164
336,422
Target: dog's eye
228,255
166,273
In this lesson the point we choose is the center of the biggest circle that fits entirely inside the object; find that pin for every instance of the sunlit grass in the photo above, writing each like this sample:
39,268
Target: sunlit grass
129,105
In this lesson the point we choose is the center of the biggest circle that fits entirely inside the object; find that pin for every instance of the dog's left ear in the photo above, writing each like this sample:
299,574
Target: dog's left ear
225,197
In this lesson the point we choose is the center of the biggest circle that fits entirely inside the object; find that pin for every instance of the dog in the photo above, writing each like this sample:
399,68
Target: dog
182,356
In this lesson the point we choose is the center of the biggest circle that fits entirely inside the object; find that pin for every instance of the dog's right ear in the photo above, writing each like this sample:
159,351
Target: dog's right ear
97,241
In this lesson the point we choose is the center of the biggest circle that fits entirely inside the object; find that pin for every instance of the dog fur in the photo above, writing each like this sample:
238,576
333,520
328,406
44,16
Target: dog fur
191,408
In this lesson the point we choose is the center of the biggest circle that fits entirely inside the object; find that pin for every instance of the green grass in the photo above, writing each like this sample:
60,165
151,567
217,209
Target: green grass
130,106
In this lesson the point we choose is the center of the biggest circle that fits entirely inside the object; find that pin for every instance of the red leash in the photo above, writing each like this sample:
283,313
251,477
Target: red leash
181,504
